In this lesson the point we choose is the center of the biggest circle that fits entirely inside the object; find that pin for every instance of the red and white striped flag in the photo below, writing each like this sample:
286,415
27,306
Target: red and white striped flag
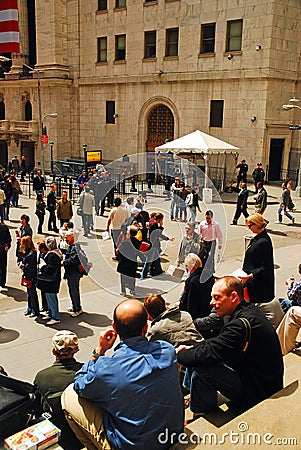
9,28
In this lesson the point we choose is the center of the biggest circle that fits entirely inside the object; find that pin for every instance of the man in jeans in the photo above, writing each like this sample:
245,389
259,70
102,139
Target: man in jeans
72,273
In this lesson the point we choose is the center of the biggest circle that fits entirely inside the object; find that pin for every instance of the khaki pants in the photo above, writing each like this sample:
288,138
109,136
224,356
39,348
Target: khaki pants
85,418
289,328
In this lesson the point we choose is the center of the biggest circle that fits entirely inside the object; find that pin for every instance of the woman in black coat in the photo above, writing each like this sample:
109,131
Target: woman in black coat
128,252
197,294
259,262
28,264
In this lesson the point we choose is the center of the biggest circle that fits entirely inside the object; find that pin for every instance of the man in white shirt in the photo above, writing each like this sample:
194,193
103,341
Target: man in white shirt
117,217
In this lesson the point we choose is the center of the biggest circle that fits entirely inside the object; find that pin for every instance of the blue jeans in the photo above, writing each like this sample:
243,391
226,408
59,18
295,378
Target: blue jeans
206,381
53,305
174,209
32,298
87,222
285,304
73,286
288,215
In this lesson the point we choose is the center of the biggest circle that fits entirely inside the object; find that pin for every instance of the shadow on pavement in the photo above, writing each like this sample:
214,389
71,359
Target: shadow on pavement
7,335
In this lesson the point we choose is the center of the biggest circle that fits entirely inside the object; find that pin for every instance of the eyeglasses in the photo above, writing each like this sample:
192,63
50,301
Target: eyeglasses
250,224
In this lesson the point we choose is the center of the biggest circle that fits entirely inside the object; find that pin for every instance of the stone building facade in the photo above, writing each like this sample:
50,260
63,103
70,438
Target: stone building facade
124,75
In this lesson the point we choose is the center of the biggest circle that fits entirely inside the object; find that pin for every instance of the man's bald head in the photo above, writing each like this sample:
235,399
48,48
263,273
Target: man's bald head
130,319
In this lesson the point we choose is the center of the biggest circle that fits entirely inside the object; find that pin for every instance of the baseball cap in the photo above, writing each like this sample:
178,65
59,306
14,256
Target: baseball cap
65,342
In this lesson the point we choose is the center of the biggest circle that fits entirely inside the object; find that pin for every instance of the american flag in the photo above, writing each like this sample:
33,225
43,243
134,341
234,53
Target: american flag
9,28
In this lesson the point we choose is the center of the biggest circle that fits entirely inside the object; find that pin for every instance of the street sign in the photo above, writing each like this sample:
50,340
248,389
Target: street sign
44,138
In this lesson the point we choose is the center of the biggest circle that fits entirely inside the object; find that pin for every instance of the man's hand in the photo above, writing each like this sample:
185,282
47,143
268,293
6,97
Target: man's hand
172,239
106,340
183,347
245,279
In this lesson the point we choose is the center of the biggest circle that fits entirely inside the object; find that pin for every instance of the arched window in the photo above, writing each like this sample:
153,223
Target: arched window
160,126
28,110
2,110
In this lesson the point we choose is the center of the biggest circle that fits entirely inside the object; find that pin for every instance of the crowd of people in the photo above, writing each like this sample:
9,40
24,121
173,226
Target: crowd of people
219,331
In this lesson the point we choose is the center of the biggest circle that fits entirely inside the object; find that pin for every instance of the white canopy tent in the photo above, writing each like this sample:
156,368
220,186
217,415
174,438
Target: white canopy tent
211,150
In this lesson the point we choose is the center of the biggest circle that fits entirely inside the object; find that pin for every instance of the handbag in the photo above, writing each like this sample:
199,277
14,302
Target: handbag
144,246
25,282
79,211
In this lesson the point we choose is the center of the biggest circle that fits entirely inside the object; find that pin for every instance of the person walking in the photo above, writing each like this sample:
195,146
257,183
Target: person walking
16,191
64,209
23,168
261,201
284,205
15,165
192,202
86,202
117,217
71,265
5,243
174,204
211,233
2,202
51,207
8,190
241,204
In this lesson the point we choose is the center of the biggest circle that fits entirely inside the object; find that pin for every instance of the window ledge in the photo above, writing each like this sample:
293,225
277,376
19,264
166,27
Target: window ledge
170,1
171,58
149,59
233,52
101,11
154,2
119,61
120,8
206,55
101,63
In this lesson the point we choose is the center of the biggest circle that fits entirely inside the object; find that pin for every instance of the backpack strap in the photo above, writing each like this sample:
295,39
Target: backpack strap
248,333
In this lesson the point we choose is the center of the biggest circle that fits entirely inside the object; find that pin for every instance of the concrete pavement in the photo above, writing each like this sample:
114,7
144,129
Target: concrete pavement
25,344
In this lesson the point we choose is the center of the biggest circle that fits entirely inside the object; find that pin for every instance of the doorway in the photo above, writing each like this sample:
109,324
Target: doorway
160,126
275,159
27,149
3,154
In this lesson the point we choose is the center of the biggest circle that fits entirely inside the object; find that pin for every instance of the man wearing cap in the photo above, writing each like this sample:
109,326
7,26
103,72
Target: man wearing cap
51,382
131,399
242,172
258,176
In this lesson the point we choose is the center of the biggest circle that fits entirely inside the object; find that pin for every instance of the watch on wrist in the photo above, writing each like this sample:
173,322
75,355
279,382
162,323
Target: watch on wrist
95,354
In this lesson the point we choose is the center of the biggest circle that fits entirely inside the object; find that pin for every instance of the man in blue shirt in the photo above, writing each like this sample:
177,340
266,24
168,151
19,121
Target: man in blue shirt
136,395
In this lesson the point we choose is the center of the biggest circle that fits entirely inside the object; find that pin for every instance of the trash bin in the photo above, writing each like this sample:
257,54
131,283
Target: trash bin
207,195
247,240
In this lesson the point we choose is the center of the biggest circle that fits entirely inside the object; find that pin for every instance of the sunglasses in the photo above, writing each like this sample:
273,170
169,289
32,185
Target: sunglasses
250,224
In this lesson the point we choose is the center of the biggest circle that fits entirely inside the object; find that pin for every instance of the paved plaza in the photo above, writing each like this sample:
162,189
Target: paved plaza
25,343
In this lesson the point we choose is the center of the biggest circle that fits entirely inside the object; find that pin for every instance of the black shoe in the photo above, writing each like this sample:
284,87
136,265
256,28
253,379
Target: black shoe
56,230
233,223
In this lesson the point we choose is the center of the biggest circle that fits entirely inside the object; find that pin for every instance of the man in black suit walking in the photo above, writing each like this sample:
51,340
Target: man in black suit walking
5,243
242,204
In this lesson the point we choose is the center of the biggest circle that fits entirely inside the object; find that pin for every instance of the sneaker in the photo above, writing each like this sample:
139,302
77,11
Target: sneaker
76,313
233,223
132,292
46,317
27,313
278,221
53,322
70,309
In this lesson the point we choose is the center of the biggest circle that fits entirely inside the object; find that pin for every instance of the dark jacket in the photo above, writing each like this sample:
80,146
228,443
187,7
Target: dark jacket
71,261
128,252
30,265
51,201
23,231
5,236
38,184
242,199
260,366
196,296
261,201
258,174
49,279
259,261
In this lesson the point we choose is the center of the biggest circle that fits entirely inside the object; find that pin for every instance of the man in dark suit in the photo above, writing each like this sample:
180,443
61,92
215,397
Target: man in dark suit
242,204
39,185
243,362
5,243
242,172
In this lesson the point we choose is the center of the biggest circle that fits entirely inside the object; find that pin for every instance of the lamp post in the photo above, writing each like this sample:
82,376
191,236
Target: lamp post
85,157
54,116
41,119
51,143
288,107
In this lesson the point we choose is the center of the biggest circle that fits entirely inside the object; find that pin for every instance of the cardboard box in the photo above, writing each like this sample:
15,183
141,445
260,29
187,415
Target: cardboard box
38,436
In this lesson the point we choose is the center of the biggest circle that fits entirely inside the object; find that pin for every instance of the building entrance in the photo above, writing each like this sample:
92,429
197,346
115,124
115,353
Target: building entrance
160,126
3,154
275,159
27,149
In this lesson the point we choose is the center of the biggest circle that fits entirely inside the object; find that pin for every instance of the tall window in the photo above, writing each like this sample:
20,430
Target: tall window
102,5
120,47
216,113
120,3
110,111
2,110
234,35
102,49
150,44
172,37
208,38
28,110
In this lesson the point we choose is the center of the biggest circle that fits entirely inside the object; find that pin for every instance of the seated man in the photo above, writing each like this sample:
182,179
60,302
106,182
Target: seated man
289,328
169,324
128,399
210,325
293,293
52,381
244,362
